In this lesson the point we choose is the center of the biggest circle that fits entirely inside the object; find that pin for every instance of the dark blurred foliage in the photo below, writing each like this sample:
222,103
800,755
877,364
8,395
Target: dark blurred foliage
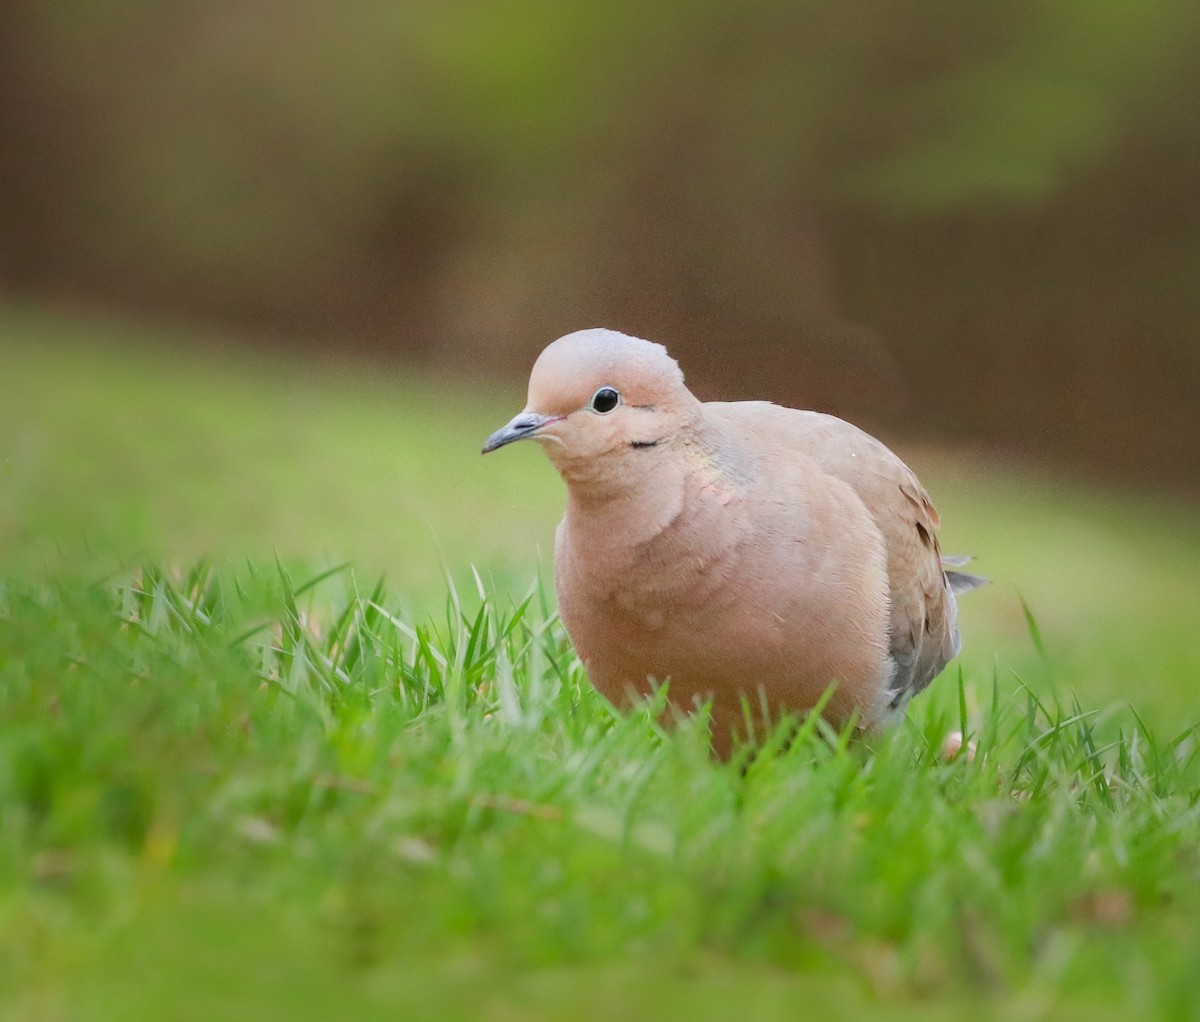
975,221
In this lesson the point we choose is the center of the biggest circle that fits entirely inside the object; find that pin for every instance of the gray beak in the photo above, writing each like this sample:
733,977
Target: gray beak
524,425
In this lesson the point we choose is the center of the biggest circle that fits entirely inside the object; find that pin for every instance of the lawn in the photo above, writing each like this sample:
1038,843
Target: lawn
233,785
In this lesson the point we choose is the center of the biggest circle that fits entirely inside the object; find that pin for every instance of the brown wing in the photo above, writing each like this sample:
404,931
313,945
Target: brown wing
924,630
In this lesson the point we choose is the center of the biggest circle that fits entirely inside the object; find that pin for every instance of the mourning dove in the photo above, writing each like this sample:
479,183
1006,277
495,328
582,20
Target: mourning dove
746,554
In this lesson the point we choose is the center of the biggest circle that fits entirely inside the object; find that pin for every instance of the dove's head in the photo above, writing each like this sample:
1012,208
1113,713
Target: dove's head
601,402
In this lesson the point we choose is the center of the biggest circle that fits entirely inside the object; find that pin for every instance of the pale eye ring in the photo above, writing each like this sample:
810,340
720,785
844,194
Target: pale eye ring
605,400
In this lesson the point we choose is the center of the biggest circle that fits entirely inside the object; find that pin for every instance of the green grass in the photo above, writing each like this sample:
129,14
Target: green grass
253,799
237,787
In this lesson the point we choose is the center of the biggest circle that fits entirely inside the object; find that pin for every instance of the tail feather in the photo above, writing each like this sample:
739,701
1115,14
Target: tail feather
960,582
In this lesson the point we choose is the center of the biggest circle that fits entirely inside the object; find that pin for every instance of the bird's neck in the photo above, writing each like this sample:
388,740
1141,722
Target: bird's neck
637,501
642,494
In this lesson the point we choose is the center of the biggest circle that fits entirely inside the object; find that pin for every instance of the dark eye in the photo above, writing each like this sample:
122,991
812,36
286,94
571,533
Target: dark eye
605,400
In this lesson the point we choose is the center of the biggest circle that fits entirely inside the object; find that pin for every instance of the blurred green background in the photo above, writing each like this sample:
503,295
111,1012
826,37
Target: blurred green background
977,223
